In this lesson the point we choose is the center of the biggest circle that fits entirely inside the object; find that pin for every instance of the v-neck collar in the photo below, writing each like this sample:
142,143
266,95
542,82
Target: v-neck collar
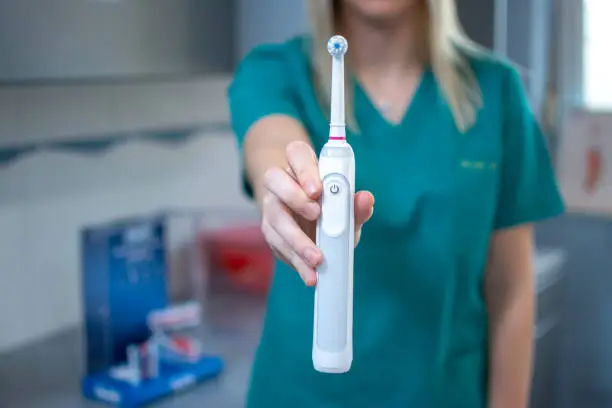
412,110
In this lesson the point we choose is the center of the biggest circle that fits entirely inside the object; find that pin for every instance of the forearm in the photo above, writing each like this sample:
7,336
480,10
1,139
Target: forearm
511,350
510,299
265,146
260,161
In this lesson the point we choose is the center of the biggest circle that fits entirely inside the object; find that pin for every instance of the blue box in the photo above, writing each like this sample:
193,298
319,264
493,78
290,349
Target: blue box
173,379
124,277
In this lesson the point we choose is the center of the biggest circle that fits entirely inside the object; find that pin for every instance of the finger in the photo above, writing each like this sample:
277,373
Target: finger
286,226
357,236
288,255
364,207
303,163
289,192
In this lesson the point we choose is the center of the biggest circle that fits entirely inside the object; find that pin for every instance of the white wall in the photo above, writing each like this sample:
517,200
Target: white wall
45,198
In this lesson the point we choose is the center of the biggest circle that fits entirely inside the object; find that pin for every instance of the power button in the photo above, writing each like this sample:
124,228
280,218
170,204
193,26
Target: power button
335,214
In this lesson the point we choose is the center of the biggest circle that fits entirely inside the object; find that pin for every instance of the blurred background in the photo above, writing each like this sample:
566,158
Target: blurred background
114,140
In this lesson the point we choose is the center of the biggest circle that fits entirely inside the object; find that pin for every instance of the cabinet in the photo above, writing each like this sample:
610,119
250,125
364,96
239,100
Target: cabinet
544,385
585,359
78,39
549,318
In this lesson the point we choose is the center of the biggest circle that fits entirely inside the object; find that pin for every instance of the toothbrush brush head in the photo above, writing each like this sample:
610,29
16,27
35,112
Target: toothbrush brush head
337,46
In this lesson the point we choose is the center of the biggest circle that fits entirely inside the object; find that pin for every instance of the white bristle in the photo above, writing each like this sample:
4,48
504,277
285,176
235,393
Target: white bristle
337,46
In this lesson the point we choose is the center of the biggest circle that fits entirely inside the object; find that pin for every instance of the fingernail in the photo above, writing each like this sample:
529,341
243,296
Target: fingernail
312,256
311,189
311,282
312,210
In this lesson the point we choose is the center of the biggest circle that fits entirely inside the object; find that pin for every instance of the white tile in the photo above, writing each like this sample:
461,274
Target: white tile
172,103
9,117
47,197
58,111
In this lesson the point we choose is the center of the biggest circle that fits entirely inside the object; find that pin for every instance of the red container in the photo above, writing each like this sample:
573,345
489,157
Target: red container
242,255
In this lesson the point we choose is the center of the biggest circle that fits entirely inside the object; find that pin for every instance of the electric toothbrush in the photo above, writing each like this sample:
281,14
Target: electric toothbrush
332,348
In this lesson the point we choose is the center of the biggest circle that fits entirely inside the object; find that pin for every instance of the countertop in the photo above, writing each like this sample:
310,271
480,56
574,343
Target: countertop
46,375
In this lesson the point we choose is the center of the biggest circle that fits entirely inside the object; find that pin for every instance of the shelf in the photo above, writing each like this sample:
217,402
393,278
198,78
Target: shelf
96,144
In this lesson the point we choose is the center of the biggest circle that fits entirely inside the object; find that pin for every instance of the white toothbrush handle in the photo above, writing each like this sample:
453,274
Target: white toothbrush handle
332,350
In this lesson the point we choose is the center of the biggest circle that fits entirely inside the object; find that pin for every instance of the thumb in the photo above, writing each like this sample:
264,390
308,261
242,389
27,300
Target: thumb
364,207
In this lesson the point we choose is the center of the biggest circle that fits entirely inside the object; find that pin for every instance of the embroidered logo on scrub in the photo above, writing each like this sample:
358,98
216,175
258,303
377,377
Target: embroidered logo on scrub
478,165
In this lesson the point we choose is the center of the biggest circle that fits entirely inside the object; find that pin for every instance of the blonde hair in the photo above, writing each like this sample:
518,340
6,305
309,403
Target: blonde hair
448,49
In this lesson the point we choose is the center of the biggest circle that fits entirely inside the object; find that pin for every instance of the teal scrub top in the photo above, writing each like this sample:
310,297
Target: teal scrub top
420,319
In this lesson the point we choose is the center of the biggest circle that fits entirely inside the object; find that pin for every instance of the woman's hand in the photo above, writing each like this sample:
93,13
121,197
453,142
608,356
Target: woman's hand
290,208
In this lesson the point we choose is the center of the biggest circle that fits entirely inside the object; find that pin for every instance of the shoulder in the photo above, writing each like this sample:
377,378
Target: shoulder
275,58
269,80
501,81
493,71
